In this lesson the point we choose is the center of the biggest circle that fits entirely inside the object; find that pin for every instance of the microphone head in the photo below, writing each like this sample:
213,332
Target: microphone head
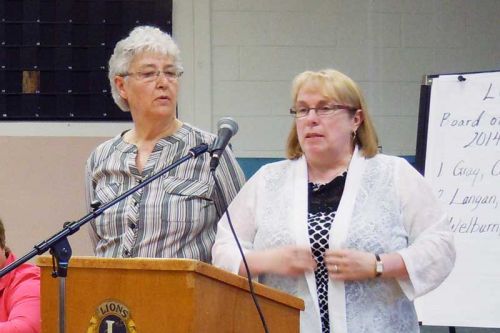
229,123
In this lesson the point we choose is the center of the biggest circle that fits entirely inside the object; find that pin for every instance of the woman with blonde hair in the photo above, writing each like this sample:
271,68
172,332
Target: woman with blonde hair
355,233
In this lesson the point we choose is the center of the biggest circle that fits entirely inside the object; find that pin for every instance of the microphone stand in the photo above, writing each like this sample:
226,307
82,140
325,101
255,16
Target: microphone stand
59,246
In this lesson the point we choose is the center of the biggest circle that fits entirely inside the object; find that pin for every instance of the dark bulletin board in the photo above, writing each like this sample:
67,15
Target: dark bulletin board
54,55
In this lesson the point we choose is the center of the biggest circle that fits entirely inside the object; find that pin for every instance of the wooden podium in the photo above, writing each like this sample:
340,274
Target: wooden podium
160,295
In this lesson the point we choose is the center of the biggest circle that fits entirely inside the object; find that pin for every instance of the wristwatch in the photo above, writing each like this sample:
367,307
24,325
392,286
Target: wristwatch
379,266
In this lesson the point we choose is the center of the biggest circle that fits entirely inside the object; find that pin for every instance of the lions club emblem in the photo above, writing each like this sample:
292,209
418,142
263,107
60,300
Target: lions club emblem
112,316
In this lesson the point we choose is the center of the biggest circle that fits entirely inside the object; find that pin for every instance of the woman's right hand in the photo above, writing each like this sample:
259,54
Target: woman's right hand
288,260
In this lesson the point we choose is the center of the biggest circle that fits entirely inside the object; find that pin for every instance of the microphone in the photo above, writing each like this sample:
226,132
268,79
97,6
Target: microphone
227,128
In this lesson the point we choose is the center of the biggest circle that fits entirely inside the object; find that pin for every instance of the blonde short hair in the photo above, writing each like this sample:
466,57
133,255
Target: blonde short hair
341,88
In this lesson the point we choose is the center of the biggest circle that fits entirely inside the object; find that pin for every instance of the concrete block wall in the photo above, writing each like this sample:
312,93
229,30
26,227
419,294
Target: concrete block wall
385,45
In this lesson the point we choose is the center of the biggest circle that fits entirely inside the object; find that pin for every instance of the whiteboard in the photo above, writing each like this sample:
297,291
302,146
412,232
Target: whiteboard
462,164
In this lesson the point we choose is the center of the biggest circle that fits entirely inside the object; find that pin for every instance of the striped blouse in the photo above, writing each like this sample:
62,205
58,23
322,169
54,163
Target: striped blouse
172,217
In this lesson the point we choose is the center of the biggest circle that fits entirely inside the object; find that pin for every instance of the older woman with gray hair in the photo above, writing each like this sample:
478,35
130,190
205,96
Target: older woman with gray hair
174,216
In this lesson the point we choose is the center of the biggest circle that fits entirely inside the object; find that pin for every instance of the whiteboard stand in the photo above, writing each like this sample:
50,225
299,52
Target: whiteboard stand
459,129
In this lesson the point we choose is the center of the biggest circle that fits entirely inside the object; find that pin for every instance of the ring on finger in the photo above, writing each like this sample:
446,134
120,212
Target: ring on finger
336,269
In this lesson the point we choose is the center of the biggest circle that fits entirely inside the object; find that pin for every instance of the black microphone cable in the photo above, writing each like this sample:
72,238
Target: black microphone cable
249,275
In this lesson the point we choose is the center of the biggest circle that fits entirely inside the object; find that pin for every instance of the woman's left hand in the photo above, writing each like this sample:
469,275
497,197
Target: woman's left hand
350,265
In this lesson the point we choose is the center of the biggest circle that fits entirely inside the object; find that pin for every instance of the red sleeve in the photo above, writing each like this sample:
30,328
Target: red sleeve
23,299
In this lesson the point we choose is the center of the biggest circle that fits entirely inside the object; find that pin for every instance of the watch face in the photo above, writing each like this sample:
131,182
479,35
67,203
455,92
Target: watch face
379,266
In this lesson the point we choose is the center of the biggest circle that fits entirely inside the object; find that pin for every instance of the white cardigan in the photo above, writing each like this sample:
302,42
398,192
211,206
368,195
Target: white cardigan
386,207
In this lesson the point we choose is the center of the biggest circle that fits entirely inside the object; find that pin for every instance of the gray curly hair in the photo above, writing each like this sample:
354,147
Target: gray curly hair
141,39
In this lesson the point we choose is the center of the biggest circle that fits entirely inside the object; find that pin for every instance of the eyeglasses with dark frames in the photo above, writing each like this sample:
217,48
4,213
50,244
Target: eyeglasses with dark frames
322,111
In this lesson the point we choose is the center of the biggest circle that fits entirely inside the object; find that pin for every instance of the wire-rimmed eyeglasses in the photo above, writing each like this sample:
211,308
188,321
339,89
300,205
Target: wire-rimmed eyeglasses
153,75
